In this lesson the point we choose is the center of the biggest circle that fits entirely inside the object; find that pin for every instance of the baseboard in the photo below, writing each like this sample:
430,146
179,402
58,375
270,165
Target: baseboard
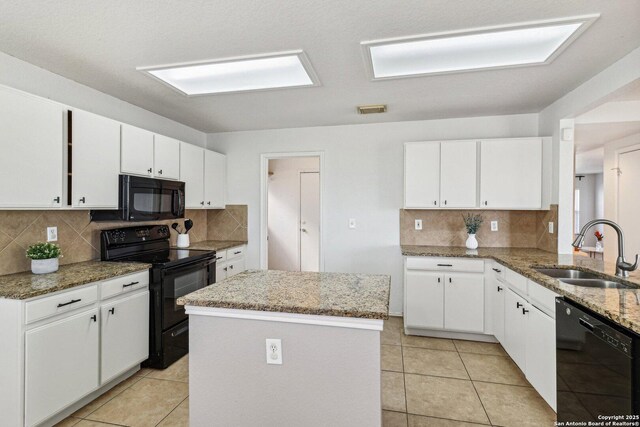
450,334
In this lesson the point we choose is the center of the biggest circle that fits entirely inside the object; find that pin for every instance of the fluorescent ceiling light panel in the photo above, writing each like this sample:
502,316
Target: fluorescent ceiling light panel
281,70
496,47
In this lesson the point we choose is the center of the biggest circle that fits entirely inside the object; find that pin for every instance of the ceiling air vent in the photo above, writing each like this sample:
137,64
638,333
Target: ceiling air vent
372,109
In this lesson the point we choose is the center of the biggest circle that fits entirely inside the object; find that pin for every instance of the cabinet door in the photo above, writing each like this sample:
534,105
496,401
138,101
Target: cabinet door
136,151
235,266
511,173
541,354
95,141
464,302
424,300
458,174
515,328
61,364
32,148
125,334
215,173
421,174
192,173
166,157
497,309
221,272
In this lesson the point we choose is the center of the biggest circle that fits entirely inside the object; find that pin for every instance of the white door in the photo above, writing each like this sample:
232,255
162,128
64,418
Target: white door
192,173
497,309
458,178
421,174
61,364
136,151
464,302
215,173
125,334
166,157
95,141
629,202
424,300
511,173
541,354
31,138
309,221
515,328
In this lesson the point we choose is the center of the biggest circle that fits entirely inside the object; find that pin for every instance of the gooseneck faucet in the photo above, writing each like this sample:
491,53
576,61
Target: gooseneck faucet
622,267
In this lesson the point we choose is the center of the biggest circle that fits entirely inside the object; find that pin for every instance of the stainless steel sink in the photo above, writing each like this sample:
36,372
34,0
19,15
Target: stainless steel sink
581,278
561,273
595,283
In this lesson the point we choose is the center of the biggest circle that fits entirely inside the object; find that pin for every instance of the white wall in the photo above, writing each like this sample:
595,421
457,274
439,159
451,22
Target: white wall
363,179
38,81
591,203
284,210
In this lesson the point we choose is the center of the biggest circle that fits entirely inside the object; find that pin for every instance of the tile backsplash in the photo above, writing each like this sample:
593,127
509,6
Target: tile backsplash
79,238
520,229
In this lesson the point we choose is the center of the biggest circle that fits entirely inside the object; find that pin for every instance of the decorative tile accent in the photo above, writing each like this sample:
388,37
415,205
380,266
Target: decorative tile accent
228,224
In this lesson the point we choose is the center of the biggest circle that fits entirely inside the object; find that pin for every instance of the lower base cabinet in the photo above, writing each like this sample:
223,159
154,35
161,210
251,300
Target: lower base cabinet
61,364
424,296
230,262
541,354
515,327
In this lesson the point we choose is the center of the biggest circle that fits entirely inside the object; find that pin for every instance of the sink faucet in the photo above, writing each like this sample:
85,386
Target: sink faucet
622,267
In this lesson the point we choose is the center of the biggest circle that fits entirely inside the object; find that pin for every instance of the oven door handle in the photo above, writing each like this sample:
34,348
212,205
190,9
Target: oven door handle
180,331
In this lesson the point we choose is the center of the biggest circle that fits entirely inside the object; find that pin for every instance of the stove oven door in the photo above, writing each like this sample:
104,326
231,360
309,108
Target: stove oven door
179,281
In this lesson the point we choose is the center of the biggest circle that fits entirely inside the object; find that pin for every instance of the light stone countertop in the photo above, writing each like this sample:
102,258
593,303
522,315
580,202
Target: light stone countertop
620,305
216,245
330,294
26,285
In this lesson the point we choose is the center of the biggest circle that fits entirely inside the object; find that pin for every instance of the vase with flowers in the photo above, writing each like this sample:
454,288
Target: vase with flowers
599,237
472,223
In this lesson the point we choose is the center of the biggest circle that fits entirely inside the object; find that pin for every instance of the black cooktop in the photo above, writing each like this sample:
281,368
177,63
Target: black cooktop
168,257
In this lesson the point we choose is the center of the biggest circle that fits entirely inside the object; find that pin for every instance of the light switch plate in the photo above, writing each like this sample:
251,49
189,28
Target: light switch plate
494,225
418,224
52,234
352,223
550,227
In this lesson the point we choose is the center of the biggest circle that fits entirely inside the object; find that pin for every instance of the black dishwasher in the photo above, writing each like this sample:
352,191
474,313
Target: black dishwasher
597,367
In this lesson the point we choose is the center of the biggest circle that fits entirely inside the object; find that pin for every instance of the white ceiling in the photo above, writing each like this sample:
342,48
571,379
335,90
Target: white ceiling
100,44
590,136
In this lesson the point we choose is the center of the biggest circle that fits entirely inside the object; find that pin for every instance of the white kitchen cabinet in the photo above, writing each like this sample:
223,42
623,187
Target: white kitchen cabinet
424,300
458,174
421,174
32,146
540,360
61,364
95,161
511,173
515,327
136,151
215,172
462,310
166,157
230,262
124,334
497,309
192,173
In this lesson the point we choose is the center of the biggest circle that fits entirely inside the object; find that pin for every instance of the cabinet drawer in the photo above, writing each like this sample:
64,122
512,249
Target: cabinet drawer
124,284
236,252
516,281
543,298
497,271
221,256
445,264
60,303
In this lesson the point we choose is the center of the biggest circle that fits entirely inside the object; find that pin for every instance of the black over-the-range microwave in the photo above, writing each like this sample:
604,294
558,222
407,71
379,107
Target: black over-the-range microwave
145,199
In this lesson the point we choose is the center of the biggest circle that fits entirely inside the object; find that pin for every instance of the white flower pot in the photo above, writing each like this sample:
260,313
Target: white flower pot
44,266
472,243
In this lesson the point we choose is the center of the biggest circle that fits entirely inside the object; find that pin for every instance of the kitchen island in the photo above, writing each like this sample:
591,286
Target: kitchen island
329,328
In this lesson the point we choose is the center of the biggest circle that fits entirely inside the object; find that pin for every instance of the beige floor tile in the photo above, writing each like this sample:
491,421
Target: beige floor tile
420,421
179,371
145,403
394,322
179,417
493,369
479,347
428,342
89,423
143,372
393,397
394,419
104,398
391,335
509,405
391,356
440,363
444,398
68,422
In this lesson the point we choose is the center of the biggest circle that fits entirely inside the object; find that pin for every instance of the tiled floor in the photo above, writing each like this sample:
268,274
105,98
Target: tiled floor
452,383
425,382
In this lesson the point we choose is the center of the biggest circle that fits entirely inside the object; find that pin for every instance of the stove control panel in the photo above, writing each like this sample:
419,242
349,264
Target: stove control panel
121,236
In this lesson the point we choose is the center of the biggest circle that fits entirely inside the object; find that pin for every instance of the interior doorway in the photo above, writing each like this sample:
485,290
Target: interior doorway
628,172
292,227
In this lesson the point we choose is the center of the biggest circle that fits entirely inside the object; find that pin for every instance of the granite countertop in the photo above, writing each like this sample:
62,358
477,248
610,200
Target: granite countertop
330,294
620,305
28,285
216,245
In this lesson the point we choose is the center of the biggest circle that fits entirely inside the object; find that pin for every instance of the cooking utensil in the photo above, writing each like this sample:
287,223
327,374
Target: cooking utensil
175,227
188,225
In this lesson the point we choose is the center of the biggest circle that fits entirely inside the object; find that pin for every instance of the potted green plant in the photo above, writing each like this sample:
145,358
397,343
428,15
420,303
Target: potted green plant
472,223
44,257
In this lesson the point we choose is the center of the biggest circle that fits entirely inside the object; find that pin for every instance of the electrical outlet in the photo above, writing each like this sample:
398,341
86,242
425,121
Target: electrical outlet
550,227
52,234
418,224
494,225
274,351
352,223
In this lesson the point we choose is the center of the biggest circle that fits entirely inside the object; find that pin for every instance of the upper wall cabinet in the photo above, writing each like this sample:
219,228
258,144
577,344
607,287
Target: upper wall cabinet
166,155
136,151
192,173
440,174
215,172
511,173
31,136
95,140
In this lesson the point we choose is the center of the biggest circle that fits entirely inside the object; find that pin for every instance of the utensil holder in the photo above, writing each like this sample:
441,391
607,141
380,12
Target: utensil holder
183,241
